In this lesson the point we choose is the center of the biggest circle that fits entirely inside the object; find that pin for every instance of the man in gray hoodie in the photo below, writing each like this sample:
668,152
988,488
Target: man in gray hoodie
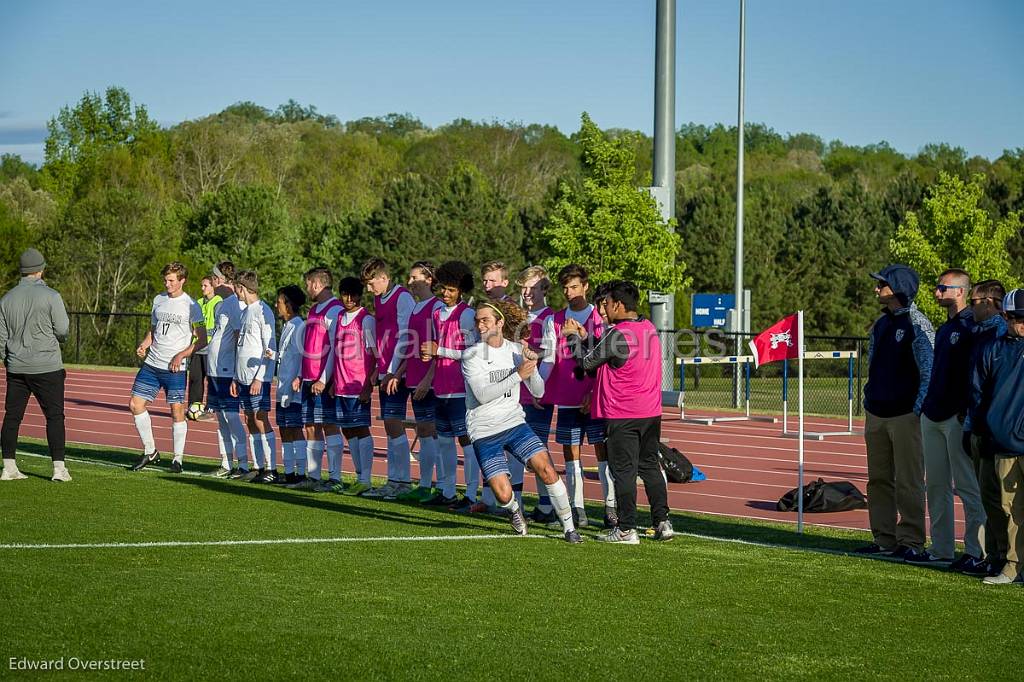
33,322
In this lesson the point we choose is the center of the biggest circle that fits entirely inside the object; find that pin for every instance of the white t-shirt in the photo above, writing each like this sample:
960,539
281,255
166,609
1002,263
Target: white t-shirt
289,359
255,337
227,320
492,388
172,321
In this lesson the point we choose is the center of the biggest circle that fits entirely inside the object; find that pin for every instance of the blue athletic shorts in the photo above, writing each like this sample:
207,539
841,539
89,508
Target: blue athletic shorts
571,425
253,403
540,420
520,442
317,409
288,417
450,416
350,413
150,380
423,410
393,406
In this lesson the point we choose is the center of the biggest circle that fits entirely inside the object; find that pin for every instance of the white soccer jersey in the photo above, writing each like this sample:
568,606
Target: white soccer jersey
172,320
255,338
289,360
492,388
227,318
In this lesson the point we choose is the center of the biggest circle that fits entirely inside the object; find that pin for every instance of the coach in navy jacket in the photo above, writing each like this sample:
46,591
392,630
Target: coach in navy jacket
899,369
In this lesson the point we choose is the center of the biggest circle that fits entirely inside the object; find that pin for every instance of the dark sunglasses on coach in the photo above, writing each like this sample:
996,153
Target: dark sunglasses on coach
943,288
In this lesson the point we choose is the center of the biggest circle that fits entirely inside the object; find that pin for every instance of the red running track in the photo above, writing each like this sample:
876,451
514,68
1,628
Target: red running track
749,465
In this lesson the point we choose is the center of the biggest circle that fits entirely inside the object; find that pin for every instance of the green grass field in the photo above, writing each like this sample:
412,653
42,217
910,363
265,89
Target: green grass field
361,604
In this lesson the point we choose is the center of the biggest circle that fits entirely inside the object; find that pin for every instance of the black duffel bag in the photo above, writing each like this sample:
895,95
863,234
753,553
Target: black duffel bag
819,496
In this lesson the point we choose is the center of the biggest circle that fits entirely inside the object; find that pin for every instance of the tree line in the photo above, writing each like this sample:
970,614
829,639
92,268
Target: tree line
281,190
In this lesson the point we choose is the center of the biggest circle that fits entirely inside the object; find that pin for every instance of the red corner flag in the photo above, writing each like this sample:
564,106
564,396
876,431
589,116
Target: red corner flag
779,342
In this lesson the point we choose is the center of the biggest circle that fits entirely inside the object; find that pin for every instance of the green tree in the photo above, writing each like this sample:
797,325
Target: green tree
610,226
953,231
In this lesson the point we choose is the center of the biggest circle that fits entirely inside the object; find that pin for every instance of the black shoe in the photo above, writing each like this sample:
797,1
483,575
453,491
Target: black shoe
175,467
873,549
972,566
439,500
268,476
995,566
925,558
903,552
146,460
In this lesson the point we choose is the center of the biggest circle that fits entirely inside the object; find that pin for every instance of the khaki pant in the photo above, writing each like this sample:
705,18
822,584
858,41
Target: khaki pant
1011,474
895,480
996,541
947,468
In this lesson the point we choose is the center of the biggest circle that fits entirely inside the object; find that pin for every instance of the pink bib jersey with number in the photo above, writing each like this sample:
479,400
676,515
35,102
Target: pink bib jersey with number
562,387
421,330
448,373
353,361
534,342
385,312
314,341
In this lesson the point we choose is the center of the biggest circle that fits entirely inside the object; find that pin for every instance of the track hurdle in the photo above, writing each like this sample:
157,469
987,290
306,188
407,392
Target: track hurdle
746,361
850,356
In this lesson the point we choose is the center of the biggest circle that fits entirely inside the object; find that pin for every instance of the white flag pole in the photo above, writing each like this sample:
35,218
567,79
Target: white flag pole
800,422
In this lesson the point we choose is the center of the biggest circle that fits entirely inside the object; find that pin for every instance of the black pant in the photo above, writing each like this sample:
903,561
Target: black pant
48,388
196,379
633,450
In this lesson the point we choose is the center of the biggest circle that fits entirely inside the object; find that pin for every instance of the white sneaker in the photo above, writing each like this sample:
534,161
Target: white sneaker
61,475
12,475
624,537
1000,579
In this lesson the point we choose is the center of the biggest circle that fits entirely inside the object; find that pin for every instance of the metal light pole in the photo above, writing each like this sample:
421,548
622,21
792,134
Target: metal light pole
738,319
664,189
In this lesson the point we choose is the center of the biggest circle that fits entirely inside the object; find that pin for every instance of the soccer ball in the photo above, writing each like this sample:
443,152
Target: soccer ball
195,411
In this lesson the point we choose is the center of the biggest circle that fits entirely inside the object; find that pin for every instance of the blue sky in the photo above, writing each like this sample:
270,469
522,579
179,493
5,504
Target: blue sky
908,72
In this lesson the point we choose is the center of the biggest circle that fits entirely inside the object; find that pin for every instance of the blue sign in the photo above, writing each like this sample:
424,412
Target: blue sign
711,310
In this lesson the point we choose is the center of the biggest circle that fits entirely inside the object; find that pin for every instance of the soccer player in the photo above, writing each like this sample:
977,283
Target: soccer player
220,373
418,376
288,411
254,370
453,330
569,389
492,370
197,368
166,349
494,279
627,395
392,308
533,285
318,408
351,371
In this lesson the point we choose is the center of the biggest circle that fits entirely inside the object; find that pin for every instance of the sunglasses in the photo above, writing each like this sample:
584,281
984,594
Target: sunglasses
943,288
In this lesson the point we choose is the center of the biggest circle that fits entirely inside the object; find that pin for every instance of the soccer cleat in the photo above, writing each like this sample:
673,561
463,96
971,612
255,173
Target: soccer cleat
380,492
251,475
397,490
146,460
438,499
222,473
903,552
237,474
410,495
573,537
518,522
61,475
926,558
12,475
175,466
268,476
357,488
611,518
617,535
325,486
873,550
477,508
337,487
305,484
462,505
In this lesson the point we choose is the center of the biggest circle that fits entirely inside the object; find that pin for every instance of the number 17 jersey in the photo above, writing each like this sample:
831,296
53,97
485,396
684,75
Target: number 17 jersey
172,321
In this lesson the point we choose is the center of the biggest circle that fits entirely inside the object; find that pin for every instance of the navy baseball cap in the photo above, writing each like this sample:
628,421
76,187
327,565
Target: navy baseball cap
1013,303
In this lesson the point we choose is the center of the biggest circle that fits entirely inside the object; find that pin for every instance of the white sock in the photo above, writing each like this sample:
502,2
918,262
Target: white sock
398,452
224,432
239,438
574,482
353,451
512,505
144,425
270,449
299,453
366,459
314,456
543,501
335,445
256,450
560,501
471,471
10,465
428,459
178,433
607,484
288,455
448,462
